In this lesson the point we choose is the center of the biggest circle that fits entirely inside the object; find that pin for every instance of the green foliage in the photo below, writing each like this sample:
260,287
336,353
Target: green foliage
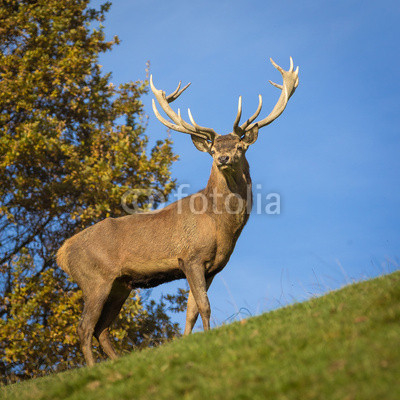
344,345
71,144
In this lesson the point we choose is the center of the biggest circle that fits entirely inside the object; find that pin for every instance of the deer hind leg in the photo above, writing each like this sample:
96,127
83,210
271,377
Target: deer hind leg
194,272
192,311
111,309
94,302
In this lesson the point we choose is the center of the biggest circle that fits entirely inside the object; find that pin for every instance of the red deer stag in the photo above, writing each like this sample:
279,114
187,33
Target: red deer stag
114,256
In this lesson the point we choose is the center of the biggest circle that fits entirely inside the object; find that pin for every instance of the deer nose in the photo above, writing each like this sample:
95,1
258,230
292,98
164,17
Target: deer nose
223,159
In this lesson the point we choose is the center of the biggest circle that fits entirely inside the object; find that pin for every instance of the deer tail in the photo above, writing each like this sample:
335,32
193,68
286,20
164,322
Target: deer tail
62,257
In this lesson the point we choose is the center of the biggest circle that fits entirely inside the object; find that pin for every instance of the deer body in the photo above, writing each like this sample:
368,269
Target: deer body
192,238
115,248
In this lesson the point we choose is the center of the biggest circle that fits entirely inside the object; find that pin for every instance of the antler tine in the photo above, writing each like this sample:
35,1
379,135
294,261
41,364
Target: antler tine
199,128
276,85
254,116
192,120
210,133
288,87
160,96
172,126
279,68
297,74
236,128
179,124
176,93
186,125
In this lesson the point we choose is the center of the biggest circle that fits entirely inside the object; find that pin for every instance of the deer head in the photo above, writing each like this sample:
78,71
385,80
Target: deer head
226,150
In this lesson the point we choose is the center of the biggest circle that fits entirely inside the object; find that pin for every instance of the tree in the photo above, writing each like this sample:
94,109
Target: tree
71,145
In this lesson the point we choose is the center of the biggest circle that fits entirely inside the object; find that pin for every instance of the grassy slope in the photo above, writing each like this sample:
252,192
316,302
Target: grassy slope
345,345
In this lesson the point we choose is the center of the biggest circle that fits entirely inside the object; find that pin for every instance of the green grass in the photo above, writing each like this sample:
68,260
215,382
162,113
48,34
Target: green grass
344,345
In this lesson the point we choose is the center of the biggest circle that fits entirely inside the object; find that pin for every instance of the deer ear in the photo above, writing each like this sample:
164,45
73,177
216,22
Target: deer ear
201,144
251,136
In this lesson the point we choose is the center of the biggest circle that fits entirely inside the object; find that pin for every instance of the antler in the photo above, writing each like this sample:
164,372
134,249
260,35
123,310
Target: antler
288,87
179,124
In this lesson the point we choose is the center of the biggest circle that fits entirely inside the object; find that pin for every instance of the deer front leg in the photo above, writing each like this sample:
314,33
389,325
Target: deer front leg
194,272
192,312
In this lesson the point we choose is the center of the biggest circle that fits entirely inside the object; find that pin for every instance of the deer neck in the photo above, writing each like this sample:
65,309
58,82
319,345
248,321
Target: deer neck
230,189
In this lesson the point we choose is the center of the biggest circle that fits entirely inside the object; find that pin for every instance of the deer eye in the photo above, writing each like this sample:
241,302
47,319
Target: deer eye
212,151
240,148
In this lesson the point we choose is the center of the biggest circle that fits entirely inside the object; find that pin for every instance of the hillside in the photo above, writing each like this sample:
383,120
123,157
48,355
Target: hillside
344,345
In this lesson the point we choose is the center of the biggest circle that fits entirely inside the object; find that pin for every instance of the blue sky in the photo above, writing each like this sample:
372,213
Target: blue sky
333,156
